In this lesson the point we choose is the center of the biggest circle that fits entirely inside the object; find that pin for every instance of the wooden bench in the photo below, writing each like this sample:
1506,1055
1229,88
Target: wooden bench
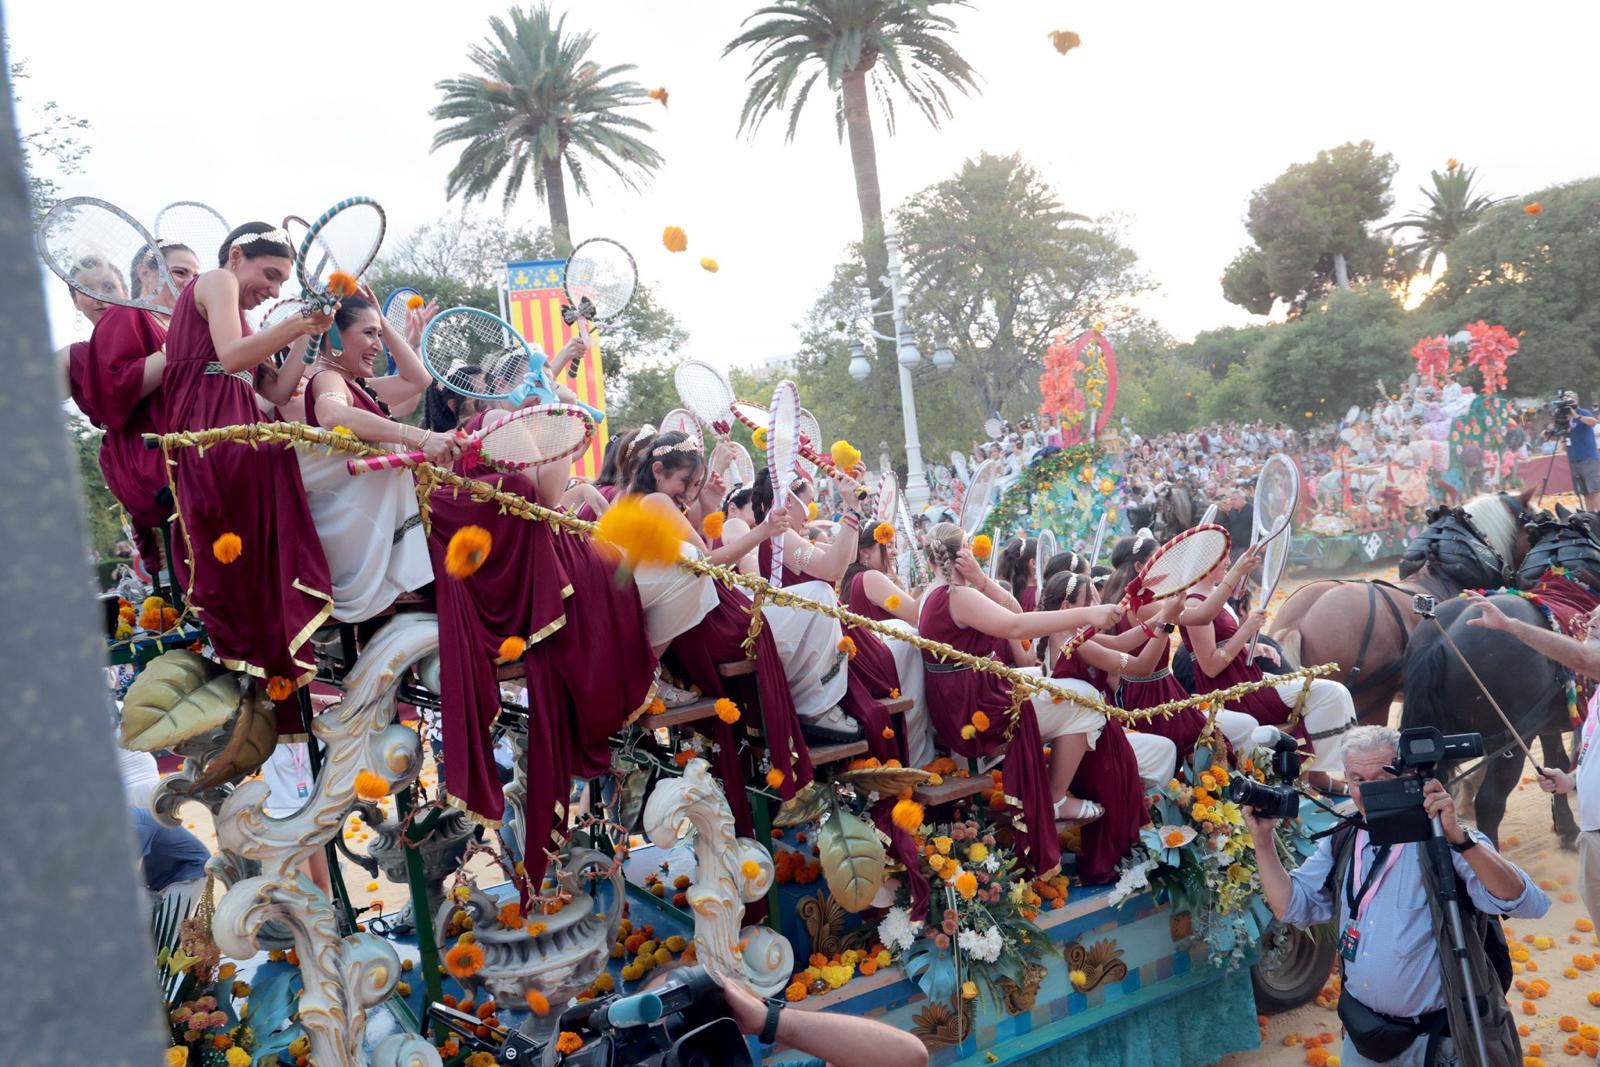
736,670
821,754
951,790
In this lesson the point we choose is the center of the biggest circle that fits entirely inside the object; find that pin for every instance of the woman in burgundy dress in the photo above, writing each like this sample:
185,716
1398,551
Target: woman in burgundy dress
964,608
251,557
871,590
115,380
1016,567
1220,644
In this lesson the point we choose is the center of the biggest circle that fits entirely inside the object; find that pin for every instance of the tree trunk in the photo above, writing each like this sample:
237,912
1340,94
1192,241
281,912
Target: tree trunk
555,195
1341,273
864,158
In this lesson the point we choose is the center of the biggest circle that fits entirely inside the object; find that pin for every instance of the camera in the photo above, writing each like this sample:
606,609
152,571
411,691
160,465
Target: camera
681,1023
1562,411
1394,811
1272,801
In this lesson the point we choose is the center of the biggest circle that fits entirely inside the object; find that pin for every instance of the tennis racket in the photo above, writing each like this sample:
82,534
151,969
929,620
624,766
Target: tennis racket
1172,570
705,391
335,252
284,309
1044,551
481,355
396,308
1099,539
975,505
91,245
528,437
599,282
680,420
783,438
1277,497
1208,517
732,462
810,436
198,226
760,419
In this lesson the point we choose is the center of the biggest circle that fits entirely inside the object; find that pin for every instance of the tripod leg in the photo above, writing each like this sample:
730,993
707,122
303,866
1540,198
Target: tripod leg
1437,852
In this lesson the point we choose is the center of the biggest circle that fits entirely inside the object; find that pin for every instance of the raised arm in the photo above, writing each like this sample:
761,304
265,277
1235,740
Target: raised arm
882,591
216,295
830,563
970,608
411,379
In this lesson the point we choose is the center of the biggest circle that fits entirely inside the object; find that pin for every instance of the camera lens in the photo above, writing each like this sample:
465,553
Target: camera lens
1267,801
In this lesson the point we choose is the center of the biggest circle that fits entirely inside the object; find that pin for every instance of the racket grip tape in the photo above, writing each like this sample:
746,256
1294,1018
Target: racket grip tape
385,462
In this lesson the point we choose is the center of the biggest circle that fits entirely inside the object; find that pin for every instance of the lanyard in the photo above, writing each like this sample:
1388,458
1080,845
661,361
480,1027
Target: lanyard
1380,870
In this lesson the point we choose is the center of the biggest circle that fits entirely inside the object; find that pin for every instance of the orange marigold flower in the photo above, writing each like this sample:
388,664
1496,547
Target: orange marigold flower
774,778
463,960
982,546
1534,208
888,733
848,647
907,814
684,756
712,524
370,786
750,869
279,688
414,301
795,993
510,916
568,1043
966,884
674,239
341,284
893,602
512,648
658,95
1584,926
467,551
658,706
538,1003
642,529
980,721
883,533
1568,1024
227,548
726,710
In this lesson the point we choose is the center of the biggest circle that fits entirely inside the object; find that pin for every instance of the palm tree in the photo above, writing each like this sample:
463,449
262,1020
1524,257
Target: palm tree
535,102
1452,210
889,45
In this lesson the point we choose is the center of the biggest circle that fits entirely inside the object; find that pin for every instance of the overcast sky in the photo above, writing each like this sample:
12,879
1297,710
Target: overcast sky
1165,119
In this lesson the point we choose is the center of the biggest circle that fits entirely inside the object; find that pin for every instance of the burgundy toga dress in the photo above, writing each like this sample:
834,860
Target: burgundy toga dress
1183,728
1109,776
955,691
1265,704
261,609
106,376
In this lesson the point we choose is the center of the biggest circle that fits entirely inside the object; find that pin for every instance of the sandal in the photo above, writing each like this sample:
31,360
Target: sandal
672,696
1088,812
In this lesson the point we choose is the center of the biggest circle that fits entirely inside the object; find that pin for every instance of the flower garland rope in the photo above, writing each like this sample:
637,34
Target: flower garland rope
293,433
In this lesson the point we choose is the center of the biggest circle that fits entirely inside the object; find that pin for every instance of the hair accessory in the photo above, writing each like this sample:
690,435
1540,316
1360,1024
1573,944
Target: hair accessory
1072,585
1141,537
685,445
280,236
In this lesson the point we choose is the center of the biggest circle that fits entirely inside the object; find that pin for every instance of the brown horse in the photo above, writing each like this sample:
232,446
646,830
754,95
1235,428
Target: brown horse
1365,625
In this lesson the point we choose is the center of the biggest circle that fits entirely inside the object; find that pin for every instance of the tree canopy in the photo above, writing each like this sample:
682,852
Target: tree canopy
1310,228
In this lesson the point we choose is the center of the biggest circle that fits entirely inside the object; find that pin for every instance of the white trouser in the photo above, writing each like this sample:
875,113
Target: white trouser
908,665
1157,756
1328,714
1058,718
1237,727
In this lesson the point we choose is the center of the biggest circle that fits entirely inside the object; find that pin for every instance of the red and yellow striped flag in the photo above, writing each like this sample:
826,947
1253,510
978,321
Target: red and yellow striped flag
534,299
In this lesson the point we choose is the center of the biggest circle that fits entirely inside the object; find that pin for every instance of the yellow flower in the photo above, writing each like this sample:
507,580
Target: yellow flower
1085,474
969,731
674,238
177,1056
969,991
1106,485
709,265
343,431
643,529
759,438
227,548
712,524
370,786
978,852
811,511
1079,979
238,1057
512,648
845,456
893,603
750,869
1238,874
467,551
943,845
727,710
982,546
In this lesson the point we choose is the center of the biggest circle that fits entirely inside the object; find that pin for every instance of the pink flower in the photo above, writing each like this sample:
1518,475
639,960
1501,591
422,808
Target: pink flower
941,941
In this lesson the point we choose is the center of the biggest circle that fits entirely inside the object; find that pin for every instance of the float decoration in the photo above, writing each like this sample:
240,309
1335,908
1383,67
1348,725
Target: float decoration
1079,385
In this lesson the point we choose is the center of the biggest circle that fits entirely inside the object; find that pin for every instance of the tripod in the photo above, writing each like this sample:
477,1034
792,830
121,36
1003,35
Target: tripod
1437,852
1548,471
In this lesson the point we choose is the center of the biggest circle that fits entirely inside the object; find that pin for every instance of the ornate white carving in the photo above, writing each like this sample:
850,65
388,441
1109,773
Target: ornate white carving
721,890
344,977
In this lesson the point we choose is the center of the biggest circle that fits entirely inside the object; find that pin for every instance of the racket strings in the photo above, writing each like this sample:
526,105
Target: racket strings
681,421
730,458
538,436
603,273
1182,562
704,391
976,503
93,249
475,354
347,242
193,225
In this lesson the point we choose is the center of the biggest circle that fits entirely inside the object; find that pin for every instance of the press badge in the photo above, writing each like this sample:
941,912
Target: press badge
1349,942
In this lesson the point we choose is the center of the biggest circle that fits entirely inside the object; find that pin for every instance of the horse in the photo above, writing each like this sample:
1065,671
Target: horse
1364,625
1174,511
1563,570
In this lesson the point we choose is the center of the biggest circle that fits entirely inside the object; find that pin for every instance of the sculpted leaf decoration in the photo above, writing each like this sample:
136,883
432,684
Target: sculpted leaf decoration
853,860
936,1026
178,695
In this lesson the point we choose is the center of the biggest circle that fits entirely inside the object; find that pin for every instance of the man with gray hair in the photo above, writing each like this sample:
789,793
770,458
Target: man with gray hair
1393,942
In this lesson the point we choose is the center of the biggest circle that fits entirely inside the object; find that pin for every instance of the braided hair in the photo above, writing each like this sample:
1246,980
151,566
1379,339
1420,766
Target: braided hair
1016,562
943,546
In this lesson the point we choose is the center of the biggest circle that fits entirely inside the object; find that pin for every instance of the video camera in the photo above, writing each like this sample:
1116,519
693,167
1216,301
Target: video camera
681,1023
1272,801
1394,812
1563,409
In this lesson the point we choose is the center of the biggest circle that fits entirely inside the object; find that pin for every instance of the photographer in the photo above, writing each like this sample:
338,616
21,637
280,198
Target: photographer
1581,658
1583,459
1393,942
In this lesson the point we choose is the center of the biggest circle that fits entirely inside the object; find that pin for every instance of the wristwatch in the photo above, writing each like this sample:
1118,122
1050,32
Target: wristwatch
1466,846
769,1032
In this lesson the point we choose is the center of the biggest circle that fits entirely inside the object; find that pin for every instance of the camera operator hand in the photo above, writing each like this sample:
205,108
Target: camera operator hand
1439,804
840,1040
1275,884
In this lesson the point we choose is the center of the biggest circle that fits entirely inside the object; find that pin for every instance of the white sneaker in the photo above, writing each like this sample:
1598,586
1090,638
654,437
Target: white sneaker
672,696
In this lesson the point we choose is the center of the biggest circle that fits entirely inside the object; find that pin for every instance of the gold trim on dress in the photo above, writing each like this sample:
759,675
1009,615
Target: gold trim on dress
461,805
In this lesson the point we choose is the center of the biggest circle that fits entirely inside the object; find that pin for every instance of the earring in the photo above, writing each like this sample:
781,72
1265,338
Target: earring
78,319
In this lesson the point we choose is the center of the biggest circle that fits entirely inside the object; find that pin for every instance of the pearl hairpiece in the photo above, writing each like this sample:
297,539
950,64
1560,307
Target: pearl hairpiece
279,236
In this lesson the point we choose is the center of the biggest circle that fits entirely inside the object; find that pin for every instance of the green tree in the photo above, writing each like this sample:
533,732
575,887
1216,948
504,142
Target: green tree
996,266
459,260
101,508
537,101
52,147
1453,208
1156,391
1312,368
1310,230
1536,274
1218,351
858,49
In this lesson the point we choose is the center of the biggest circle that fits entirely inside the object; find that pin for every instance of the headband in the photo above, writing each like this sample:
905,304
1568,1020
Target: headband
1072,585
646,430
1141,537
685,445
280,236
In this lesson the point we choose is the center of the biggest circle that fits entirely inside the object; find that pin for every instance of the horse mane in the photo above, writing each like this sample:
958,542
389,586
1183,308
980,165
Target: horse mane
1495,517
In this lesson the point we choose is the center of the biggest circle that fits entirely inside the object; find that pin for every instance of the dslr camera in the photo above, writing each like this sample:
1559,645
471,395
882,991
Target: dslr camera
681,1023
1268,801
1394,806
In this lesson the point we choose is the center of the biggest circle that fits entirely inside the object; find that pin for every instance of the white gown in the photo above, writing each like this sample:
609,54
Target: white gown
908,665
808,644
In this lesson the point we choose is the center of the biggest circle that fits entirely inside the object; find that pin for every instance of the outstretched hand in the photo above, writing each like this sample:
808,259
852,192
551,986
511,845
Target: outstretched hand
1489,616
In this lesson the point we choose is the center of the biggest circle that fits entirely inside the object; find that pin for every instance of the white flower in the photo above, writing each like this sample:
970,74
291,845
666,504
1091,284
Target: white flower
897,930
984,947
1133,879
991,863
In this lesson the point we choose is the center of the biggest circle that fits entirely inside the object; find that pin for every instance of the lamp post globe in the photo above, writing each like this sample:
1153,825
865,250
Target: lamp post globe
860,369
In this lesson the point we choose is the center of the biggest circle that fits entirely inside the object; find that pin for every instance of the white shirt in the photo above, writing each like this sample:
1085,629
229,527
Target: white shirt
1588,776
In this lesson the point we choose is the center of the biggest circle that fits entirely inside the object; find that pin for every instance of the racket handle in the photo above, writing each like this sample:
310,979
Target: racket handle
387,462
588,344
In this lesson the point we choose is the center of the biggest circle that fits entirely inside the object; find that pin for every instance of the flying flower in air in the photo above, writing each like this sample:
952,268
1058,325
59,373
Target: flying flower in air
538,1003
467,551
845,456
641,529
512,648
279,688
982,546
414,301
907,814
1534,208
659,95
727,710
711,525
759,438
674,238
1452,163
1064,40
464,960
227,548
370,786
341,284
709,265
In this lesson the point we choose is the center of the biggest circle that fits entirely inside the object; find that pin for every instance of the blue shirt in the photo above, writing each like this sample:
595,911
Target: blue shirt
1396,969
1580,437
170,853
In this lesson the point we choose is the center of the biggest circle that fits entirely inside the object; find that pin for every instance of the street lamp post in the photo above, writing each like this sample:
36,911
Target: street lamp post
907,357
